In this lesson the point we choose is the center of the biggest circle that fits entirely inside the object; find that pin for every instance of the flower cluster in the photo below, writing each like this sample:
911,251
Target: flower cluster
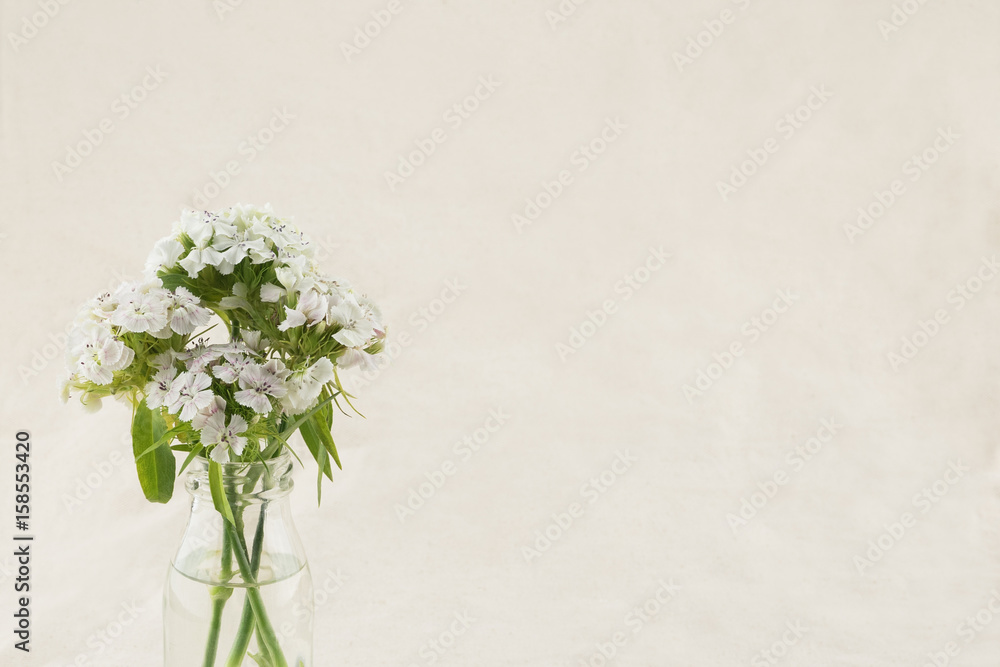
291,327
111,327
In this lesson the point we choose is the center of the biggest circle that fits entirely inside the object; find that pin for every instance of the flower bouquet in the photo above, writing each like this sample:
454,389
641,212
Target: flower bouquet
230,404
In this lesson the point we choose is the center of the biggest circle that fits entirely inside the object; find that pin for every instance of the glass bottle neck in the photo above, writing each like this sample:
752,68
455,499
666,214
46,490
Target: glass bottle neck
245,483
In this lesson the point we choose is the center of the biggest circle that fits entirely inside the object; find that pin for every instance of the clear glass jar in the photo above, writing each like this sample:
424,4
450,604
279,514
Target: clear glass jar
240,596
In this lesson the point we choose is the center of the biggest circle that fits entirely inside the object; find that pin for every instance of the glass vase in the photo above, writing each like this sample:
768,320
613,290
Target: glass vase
240,594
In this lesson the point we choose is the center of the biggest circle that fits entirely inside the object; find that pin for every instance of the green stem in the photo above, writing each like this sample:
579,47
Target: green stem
245,631
220,594
268,637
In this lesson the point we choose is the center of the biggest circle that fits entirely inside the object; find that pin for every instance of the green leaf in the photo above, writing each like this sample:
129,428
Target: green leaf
156,471
326,412
287,433
322,429
195,450
174,280
219,492
324,463
315,444
165,438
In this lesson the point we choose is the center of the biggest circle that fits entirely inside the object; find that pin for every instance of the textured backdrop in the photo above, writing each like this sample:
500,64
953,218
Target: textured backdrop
694,308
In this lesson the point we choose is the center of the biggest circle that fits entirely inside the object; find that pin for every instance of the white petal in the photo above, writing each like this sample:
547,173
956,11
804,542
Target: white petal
270,293
293,318
220,454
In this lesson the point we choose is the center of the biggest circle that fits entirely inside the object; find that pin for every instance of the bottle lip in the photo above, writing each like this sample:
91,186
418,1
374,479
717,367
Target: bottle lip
278,469
282,459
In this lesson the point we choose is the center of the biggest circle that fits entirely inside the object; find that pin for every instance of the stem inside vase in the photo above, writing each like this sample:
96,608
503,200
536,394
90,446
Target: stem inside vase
247,624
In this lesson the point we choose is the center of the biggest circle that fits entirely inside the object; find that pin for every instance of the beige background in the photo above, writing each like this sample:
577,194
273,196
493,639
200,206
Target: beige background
66,236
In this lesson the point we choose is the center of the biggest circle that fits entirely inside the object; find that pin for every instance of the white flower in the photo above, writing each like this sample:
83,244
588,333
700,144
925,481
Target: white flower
225,437
304,386
65,387
293,318
200,230
253,340
189,393
70,385
218,404
243,245
229,371
90,401
186,313
164,359
294,272
126,291
270,293
142,312
158,389
200,356
312,307
99,308
165,254
355,356
100,355
258,382
373,313
355,329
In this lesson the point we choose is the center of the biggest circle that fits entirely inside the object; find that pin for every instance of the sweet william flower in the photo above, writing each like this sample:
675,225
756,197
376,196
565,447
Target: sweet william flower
217,388
199,357
90,401
100,356
270,293
258,383
143,312
200,230
164,359
225,437
187,313
229,370
293,318
165,254
355,329
218,404
304,386
159,387
355,357
189,393
311,308
243,245
254,340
